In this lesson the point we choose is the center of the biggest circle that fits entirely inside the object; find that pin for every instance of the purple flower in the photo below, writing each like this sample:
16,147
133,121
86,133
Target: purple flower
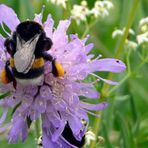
57,101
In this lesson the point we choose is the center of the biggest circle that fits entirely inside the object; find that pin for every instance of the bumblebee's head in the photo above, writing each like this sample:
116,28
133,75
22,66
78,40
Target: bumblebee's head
28,29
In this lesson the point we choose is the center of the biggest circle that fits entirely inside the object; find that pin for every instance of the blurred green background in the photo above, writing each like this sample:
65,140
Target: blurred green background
124,124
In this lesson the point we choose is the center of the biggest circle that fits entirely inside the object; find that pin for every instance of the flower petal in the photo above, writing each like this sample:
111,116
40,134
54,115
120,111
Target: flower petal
48,26
57,133
108,81
5,127
89,47
40,104
74,124
90,93
59,36
107,64
38,18
2,39
4,115
8,17
95,107
16,130
2,54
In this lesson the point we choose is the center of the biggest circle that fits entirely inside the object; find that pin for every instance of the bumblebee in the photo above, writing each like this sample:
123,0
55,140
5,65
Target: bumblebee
28,48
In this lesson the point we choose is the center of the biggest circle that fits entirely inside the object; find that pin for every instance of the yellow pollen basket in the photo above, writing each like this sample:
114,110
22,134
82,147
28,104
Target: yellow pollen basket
3,77
36,64
60,69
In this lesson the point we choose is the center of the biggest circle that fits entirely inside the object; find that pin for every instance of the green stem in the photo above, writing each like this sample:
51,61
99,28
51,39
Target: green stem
37,130
117,55
88,27
128,26
121,45
128,61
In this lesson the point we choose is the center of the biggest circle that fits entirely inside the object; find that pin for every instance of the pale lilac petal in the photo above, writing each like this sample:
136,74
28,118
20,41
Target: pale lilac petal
47,143
57,133
59,36
5,127
38,18
16,130
45,92
95,107
4,115
109,81
8,16
75,124
55,119
8,102
40,105
85,39
89,93
73,36
2,39
2,54
89,47
34,115
24,132
108,64
48,26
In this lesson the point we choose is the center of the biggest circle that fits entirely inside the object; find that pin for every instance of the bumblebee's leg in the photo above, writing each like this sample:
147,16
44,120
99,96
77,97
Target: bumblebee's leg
10,46
9,71
47,43
57,68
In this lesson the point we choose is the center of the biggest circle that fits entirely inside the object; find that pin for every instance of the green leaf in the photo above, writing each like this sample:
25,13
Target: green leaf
125,138
2,96
106,136
16,108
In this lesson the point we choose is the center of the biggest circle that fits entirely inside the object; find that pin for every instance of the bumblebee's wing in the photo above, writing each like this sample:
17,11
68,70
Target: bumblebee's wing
24,56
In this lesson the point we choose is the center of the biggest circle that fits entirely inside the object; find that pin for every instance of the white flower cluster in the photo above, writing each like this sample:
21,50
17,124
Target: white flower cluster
80,12
59,2
141,36
90,136
129,43
143,24
100,9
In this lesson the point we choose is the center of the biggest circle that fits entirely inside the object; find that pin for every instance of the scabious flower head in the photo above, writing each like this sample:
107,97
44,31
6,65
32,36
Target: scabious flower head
57,101
80,12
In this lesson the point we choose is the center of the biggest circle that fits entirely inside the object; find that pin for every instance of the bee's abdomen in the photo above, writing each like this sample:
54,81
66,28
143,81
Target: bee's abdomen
36,70
33,73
